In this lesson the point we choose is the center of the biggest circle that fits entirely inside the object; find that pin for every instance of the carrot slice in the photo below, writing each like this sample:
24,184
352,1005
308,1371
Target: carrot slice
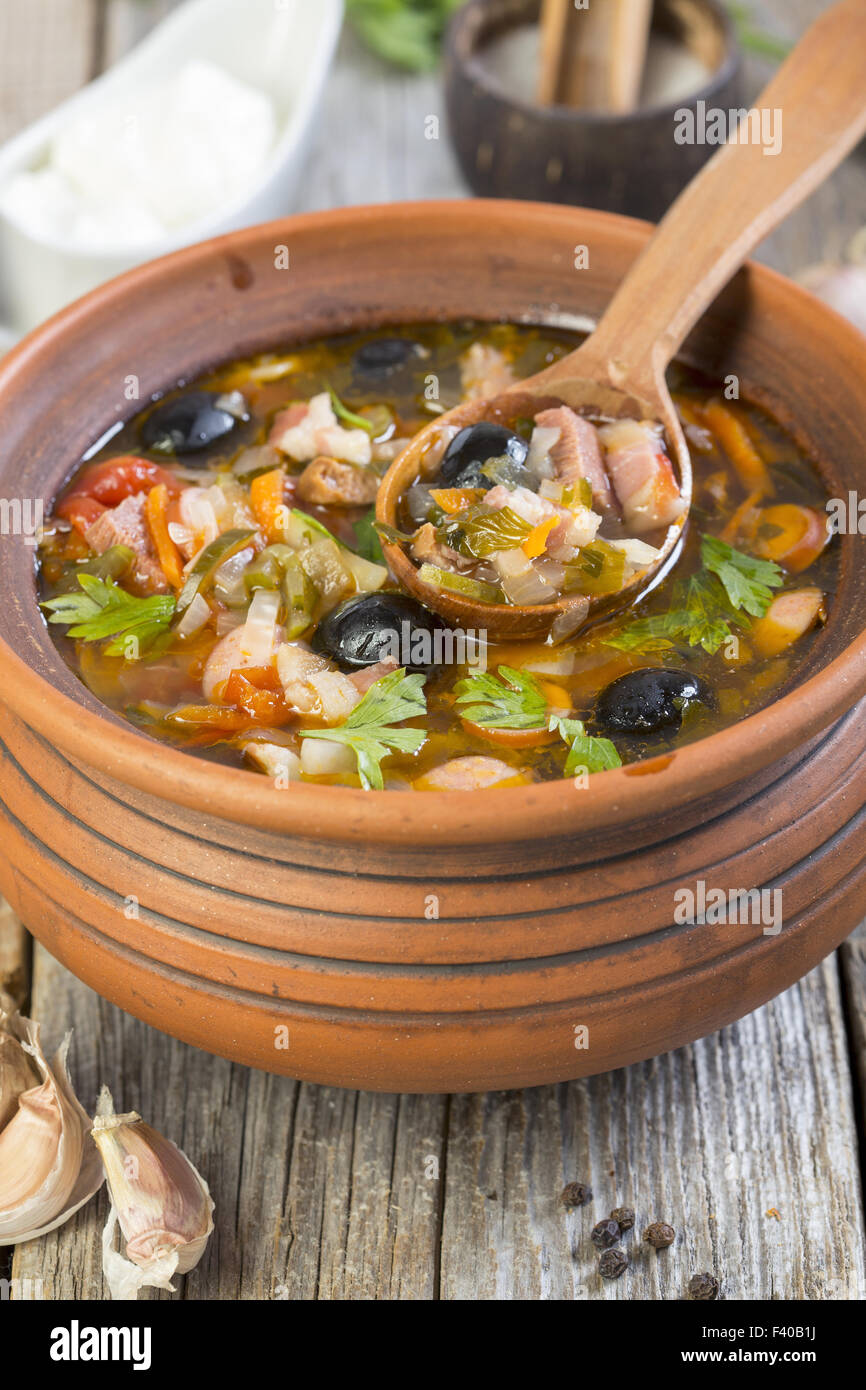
801,535
267,501
733,436
454,499
536,542
167,553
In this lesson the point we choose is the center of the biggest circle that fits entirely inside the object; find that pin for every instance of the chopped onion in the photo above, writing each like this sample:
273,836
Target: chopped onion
538,460
273,759
233,403
227,622
637,553
228,580
194,618
261,627
562,664
198,513
521,581
322,757
181,535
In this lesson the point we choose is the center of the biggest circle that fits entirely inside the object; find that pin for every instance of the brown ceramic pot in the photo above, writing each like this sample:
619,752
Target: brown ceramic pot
402,941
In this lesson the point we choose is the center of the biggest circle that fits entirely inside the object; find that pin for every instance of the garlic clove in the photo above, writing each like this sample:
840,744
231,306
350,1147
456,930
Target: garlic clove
159,1199
49,1166
17,1072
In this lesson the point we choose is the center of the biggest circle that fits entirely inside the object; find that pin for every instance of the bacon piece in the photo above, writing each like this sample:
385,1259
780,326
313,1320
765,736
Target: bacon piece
641,473
327,483
362,680
577,453
126,525
306,431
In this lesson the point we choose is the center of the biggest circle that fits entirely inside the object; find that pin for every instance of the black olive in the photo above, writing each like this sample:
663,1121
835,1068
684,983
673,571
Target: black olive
363,631
384,356
187,424
650,700
477,445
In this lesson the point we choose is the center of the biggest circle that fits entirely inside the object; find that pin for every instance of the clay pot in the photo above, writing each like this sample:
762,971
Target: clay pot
631,163
401,941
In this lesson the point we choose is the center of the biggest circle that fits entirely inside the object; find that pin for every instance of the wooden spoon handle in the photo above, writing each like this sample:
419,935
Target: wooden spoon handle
816,107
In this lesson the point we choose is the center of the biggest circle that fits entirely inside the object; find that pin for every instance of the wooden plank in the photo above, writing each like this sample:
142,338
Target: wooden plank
46,54
14,955
710,1138
319,1192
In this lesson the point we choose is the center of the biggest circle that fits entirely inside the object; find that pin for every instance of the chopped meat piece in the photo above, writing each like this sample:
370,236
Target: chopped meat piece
327,483
338,696
484,372
525,503
470,774
125,524
641,473
577,453
305,432
362,680
426,549
296,664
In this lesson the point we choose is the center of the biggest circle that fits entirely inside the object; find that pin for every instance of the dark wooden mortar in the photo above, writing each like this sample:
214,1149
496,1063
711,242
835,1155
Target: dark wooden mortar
402,941
623,163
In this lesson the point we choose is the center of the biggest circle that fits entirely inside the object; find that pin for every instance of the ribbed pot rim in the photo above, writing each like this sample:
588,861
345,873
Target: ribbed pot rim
653,788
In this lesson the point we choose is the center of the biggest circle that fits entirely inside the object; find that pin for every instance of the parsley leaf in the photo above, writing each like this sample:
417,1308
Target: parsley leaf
514,701
368,730
105,610
585,750
404,32
367,542
748,582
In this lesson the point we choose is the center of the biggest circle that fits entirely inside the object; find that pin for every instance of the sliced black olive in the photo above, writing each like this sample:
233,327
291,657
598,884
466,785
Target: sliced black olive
363,631
476,445
384,356
187,424
650,700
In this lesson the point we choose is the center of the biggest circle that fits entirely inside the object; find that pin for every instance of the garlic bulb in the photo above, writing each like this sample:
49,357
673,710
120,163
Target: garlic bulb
161,1201
49,1167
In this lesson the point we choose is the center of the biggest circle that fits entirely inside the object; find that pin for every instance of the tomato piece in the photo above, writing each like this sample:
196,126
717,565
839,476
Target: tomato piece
257,691
801,534
81,511
110,482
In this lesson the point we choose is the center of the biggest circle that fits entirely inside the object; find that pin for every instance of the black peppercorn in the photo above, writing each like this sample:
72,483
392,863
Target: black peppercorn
612,1264
576,1194
624,1217
659,1234
604,1235
703,1286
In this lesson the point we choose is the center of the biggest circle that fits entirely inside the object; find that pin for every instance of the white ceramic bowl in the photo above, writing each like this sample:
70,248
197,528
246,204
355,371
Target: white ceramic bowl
282,47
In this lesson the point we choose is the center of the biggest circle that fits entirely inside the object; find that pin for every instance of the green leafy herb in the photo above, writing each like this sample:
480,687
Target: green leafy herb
598,569
405,32
585,750
367,540
478,531
704,609
369,730
358,422
748,582
104,610
513,701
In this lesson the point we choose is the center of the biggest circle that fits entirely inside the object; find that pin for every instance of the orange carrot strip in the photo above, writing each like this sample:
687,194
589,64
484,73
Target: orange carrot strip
267,500
454,499
536,542
801,535
731,432
166,551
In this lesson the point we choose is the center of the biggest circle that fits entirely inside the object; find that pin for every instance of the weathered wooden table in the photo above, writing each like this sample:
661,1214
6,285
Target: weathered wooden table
746,1142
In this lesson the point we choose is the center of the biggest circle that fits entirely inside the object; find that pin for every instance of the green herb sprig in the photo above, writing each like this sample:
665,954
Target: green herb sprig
509,700
104,610
584,750
369,730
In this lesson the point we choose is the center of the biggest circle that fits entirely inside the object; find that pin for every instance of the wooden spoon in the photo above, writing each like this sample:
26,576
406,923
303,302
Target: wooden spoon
819,97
